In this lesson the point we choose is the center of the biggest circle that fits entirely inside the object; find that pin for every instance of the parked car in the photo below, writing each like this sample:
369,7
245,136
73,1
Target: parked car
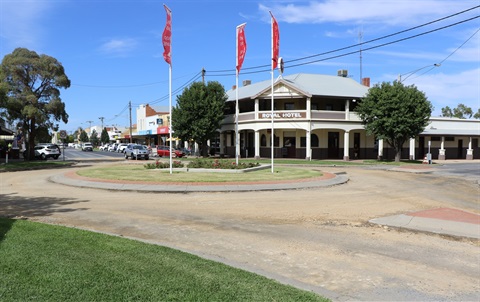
47,151
113,147
135,151
165,151
121,147
103,148
87,147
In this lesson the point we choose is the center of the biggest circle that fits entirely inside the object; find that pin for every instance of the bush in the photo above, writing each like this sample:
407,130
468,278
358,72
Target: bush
164,165
219,164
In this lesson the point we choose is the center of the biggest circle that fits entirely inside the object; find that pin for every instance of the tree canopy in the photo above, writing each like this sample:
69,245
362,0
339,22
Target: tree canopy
198,113
32,84
104,137
461,111
395,113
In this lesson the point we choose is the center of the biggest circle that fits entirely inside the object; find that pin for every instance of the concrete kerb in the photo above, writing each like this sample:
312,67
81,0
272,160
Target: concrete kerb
337,179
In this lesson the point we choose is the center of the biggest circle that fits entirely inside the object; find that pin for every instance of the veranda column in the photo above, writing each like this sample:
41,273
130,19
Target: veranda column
380,149
257,144
222,144
412,149
346,146
308,155
441,152
470,150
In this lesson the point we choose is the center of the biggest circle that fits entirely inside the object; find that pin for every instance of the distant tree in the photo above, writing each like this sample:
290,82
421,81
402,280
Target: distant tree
104,137
198,113
32,84
395,113
83,136
461,111
94,138
447,112
477,115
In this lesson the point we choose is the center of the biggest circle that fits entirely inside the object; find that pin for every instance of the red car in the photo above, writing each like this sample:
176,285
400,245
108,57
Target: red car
165,151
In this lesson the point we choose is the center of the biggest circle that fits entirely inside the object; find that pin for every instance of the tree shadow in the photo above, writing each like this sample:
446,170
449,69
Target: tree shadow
13,206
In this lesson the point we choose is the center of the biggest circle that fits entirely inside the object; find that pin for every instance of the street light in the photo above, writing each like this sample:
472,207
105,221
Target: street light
409,74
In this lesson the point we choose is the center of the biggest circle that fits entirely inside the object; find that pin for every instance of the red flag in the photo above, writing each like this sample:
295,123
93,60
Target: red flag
275,42
167,37
241,46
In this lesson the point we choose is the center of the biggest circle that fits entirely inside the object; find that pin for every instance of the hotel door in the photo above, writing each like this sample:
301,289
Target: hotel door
333,141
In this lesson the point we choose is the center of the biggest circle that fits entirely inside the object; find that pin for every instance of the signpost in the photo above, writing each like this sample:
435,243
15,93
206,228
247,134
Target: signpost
63,136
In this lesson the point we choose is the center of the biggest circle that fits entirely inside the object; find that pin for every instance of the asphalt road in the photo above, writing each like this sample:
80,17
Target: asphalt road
315,239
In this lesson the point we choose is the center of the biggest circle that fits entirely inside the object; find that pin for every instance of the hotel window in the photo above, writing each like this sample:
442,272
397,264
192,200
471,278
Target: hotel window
289,106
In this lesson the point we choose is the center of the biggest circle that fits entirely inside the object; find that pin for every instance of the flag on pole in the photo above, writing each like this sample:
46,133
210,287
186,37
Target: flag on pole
167,37
275,42
241,46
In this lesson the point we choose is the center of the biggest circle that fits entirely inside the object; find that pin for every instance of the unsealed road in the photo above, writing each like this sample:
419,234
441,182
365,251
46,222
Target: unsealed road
316,239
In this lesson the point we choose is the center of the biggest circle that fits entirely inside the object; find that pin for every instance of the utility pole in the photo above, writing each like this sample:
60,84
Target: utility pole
101,118
203,75
130,110
360,38
90,126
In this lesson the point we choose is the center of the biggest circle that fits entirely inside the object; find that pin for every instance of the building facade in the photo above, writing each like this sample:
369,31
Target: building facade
314,118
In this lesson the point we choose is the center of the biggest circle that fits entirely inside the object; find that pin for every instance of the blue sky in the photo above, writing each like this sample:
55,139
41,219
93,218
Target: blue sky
112,50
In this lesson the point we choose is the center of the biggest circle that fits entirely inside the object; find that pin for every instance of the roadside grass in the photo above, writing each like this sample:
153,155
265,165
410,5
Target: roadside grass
42,262
136,172
33,165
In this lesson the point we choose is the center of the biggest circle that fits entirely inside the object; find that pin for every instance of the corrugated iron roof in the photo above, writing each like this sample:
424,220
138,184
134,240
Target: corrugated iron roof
312,84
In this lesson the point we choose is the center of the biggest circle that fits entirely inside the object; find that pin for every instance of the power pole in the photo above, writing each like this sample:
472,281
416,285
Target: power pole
360,38
101,118
90,126
130,110
203,75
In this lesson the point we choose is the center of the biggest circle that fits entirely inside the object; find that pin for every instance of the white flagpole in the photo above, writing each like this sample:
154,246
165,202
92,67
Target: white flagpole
272,106
237,140
170,100
170,107
237,146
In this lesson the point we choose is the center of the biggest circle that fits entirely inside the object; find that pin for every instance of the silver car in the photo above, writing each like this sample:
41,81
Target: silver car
135,151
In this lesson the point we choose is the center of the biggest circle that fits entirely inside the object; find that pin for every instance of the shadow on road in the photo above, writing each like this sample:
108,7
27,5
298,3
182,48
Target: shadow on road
14,206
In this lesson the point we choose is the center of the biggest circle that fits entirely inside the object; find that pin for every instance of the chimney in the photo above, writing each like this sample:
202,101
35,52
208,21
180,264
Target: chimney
247,82
342,73
234,87
366,82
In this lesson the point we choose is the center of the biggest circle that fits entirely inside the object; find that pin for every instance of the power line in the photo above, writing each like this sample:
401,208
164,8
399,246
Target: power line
229,72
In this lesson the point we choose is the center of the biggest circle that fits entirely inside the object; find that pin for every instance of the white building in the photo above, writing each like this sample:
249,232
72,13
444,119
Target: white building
314,118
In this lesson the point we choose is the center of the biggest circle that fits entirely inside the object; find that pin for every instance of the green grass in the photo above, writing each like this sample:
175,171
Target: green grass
32,165
136,172
50,263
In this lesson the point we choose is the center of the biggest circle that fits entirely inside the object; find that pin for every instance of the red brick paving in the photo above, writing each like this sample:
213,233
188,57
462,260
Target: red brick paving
449,214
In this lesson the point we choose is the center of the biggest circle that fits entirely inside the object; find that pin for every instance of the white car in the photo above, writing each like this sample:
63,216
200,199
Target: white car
87,147
103,148
47,151
121,147
112,147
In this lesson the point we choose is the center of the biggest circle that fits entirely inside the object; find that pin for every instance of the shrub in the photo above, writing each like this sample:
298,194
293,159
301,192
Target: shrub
164,165
219,164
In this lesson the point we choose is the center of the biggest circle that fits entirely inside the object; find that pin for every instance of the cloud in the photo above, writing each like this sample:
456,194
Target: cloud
385,12
119,47
444,89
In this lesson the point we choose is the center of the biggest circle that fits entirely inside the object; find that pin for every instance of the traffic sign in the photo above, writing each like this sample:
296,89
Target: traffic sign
63,134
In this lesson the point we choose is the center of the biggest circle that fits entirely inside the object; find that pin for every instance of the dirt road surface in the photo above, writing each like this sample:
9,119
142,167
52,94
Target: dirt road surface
315,239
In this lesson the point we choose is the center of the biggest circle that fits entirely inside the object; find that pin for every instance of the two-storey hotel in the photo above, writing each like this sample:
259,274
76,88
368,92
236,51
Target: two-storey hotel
314,118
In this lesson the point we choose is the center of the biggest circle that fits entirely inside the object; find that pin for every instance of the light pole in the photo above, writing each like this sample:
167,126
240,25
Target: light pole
409,74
